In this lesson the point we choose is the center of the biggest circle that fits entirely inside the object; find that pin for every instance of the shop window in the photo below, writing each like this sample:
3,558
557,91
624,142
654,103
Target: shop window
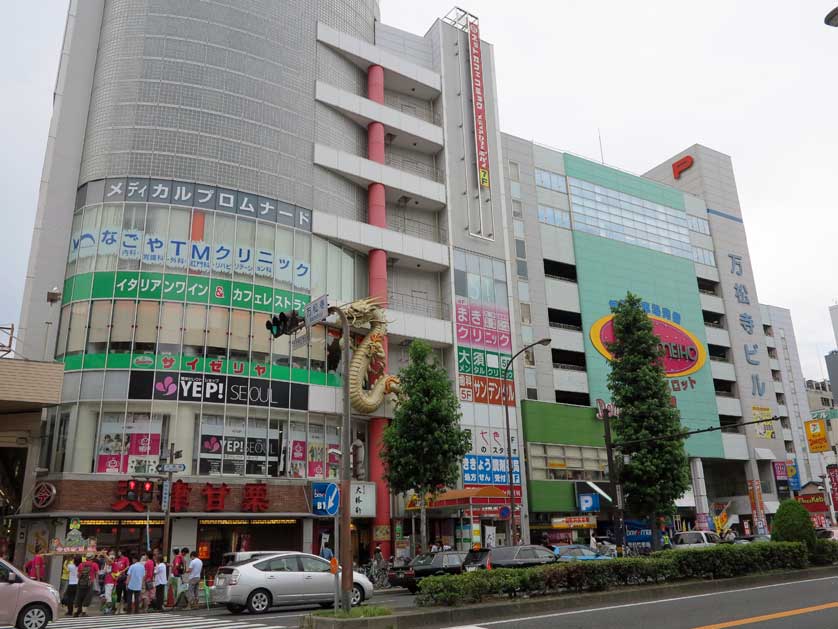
63,331
130,443
217,326
100,318
332,443
260,340
194,327
298,447
122,326
171,321
145,335
78,327
316,447
567,462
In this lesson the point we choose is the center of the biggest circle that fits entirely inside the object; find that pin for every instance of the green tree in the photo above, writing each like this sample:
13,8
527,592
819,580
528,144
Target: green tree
657,472
424,444
793,524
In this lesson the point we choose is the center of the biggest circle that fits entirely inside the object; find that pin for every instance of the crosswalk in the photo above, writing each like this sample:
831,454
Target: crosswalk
160,621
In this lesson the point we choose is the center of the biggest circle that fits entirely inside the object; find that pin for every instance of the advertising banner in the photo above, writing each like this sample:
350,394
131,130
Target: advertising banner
781,476
832,471
816,435
757,507
481,139
793,474
767,429
813,503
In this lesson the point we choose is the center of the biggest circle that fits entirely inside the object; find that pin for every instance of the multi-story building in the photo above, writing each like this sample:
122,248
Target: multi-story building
790,390
212,163
819,395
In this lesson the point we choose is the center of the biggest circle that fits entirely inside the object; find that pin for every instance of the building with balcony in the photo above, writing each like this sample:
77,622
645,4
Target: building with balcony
211,164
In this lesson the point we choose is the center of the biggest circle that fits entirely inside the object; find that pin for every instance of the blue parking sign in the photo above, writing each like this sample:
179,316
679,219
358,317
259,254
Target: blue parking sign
589,503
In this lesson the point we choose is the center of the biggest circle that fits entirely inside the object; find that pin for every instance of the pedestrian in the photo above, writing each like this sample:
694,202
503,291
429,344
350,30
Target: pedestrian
35,568
175,572
148,584
119,572
69,597
436,547
134,585
88,573
65,576
545,541
108,585
326,552
193,577
160,580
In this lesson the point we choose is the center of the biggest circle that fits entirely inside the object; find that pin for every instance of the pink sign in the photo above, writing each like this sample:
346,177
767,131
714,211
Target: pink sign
475,315
112,463
144,444
461,310
463,334
298,450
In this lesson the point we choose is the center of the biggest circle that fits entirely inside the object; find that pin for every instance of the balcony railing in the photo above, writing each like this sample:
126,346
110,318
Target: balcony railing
713,324
568,367
705,291
719,359
412,227
566,326
725,394
395,102
418,305
415,167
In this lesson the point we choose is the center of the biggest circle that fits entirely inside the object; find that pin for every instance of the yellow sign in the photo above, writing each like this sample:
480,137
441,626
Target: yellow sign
816,435
767,429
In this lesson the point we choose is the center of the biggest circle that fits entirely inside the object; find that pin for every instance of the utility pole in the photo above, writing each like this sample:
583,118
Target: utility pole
167,507
613,476
345,545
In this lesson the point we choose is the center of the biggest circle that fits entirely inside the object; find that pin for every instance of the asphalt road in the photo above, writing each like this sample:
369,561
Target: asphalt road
807,604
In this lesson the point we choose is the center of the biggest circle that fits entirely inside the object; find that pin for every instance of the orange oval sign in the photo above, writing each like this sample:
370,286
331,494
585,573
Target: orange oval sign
683,354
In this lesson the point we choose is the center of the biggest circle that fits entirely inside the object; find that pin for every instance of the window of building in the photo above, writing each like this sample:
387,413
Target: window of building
520,248
523,291
514,171
122,326
554,216
697,224
518,228
78,327
567,462
550,180
517,208
100,318
619,216
526,314
704,256
532,394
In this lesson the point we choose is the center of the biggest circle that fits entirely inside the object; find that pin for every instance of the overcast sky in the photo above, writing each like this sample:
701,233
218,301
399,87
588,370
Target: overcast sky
755,79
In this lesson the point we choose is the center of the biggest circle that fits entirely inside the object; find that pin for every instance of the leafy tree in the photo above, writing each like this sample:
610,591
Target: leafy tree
793,524
657,472
424,444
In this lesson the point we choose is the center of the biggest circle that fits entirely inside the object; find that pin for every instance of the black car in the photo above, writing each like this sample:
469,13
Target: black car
508,557
428,565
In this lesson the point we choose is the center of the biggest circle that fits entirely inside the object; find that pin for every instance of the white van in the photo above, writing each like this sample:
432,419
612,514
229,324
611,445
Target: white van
695,539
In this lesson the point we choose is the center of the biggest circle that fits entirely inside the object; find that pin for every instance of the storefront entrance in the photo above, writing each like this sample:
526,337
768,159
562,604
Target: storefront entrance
129,536
219,536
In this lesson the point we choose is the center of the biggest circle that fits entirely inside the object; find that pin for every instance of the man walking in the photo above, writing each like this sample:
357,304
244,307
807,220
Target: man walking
193,577
88,572
119,573
134,585
160,579
326,552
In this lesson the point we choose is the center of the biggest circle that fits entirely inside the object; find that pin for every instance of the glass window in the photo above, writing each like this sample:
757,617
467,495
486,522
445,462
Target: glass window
347,271
146,331
318,266
514,171
515,189
298,448
302,261
550,180
171,320
521,267
520,248
314,564
517,208
100,319
122,325
264,253
526,313
282,564
63,330
518,228
224,232
133,226
179,246
563,462
243,253
218,320
87,240
194,327
283,267
240,331
154,245
316,446
78,327
261,340
110,234
523,291
333,274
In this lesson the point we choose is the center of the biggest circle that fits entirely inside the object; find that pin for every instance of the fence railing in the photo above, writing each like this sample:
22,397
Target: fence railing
415,167
568,367
416,228
561,277
566,326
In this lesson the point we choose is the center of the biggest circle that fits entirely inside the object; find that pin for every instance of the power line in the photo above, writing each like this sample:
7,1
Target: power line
682,435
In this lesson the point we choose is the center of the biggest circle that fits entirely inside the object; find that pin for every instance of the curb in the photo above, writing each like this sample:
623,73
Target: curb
495,610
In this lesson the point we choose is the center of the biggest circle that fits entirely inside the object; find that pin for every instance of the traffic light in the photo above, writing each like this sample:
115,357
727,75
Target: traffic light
284,323
147,493
131,494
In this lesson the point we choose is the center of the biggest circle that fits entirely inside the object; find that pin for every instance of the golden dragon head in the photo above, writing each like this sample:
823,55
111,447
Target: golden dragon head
363,311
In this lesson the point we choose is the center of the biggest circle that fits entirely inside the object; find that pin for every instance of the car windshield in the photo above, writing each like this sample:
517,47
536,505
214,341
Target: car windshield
423,560
242,562
476,556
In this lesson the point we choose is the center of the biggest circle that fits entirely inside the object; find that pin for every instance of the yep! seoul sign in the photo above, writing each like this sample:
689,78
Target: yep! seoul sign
681,351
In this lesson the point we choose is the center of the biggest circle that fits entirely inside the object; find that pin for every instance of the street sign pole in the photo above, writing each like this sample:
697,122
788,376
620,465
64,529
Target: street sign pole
167,522
335,554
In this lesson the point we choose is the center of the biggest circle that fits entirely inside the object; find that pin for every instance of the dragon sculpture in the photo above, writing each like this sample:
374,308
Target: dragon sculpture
367,363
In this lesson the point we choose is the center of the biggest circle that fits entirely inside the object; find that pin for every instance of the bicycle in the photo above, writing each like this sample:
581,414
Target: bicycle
377,575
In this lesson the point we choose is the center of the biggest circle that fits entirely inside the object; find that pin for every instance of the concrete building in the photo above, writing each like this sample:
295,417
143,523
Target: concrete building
211,164
819,395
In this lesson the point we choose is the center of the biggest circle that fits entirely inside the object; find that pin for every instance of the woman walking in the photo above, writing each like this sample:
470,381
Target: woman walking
161,577
69,598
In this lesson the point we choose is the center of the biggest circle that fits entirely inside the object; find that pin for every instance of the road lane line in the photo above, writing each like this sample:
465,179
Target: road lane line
775,616
658,602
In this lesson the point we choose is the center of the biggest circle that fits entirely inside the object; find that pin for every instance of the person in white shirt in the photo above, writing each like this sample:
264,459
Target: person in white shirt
193,577
161,578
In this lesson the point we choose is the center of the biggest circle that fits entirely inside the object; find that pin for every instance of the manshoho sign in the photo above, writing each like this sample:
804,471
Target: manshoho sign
683,354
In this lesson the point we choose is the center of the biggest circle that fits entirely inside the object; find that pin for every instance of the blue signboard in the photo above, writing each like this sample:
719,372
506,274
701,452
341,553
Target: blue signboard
325,499
588,503
794,474
480,469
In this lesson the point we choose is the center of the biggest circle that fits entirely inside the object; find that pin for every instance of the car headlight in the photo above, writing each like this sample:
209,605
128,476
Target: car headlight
55,594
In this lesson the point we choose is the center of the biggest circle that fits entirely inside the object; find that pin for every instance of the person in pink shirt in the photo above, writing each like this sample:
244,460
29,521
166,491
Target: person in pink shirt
36,568
119,570
148,583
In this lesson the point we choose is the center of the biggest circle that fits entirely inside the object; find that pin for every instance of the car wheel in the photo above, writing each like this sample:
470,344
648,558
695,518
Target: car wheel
357,595
259,601
235,609
33,617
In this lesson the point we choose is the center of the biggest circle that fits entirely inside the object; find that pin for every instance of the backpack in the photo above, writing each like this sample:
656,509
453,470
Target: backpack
84,575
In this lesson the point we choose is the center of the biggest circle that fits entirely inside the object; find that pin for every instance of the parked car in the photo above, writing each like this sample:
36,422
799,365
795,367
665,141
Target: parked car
287,578
432,564
747,539
695,539
826,534
578,552
240,556
507,557
24,602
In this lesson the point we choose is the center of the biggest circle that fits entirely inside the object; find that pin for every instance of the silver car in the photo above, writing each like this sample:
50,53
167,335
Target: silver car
287,578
